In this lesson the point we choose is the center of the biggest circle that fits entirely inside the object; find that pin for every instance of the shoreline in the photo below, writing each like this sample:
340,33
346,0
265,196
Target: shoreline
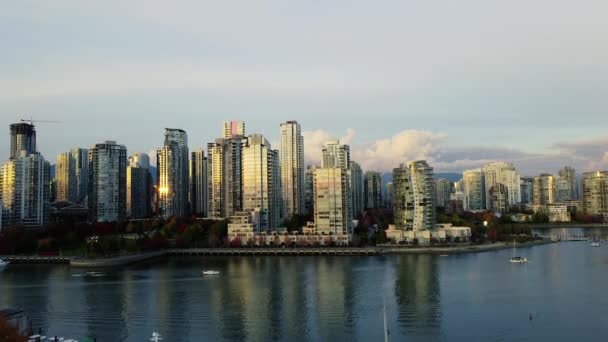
124,260
496,246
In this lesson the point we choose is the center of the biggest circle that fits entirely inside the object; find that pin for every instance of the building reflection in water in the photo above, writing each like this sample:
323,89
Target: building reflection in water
417,296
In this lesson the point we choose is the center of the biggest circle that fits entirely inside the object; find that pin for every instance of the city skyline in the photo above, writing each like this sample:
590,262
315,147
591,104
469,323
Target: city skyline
469,84
528,165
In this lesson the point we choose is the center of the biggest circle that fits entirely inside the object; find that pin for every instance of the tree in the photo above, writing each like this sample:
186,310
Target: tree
9,332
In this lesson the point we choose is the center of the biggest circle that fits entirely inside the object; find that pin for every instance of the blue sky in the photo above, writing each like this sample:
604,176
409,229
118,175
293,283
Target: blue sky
455,82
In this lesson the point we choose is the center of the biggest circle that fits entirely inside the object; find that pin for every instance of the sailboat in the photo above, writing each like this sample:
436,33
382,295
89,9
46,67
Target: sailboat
517,259
595,243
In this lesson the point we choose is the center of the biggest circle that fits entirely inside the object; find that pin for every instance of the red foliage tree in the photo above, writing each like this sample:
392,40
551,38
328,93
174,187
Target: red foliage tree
10,333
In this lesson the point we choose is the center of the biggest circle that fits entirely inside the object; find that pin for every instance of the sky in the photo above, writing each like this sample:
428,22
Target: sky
457,83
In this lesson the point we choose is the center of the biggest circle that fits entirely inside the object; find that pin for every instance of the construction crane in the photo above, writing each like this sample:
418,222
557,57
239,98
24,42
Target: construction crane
31,121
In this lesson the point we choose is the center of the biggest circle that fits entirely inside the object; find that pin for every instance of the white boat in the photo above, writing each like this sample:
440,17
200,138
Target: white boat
156,337
211,272
595,244
3,263
517,259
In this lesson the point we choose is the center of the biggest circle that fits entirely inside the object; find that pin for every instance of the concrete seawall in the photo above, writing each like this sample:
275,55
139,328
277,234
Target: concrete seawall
116,261
388,249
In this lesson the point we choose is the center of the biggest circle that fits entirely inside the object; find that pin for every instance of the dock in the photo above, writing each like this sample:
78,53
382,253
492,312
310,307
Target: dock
33,259
273,251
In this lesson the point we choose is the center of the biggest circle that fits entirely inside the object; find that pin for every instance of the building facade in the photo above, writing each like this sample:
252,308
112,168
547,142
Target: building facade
569,174
224,178
506,174
332,201
292,168
372,186
261,182
232,129
355,178
23,138
139,186
413,203
595,193
443,189
25,190
198,183
544,189
173,174
335,154
107,182
499,198
65,178
526,187
473,186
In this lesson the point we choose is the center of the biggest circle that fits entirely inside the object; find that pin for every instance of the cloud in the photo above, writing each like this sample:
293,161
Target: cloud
385,154
315,140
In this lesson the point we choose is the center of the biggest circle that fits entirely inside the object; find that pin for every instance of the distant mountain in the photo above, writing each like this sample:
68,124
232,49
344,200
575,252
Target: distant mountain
451,176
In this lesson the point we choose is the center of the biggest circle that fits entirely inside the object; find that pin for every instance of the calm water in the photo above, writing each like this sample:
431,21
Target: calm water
456,298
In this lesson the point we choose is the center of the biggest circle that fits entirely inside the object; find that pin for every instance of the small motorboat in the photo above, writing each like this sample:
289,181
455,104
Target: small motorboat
595,243
3,263
211,272
156,337
518,260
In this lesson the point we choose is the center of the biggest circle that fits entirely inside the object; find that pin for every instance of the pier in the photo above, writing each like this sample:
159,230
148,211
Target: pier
33,259
273,251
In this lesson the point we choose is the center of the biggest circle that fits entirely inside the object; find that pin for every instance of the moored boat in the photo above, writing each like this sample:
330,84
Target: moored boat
211,272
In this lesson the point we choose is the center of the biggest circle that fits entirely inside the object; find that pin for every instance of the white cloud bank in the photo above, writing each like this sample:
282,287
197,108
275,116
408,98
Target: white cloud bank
385,154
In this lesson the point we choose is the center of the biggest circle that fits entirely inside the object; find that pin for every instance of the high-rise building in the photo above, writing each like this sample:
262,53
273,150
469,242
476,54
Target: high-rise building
139,186
389,195
309,189
595,193
107,182
373,189
499,198
413,204
569,174
332,201
355,178
233,128
198,183
473,186
23,138
65,178
526,187
563,190
335,155
544,189
261,182
80,158
292,168
173,174
224,178
72,176
25,190
503,173
443,189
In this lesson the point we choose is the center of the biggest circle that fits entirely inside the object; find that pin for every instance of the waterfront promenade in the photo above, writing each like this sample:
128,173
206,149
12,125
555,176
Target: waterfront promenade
122,260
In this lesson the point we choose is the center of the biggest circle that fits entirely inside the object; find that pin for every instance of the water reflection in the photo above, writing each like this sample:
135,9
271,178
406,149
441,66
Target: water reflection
324,298
417,295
